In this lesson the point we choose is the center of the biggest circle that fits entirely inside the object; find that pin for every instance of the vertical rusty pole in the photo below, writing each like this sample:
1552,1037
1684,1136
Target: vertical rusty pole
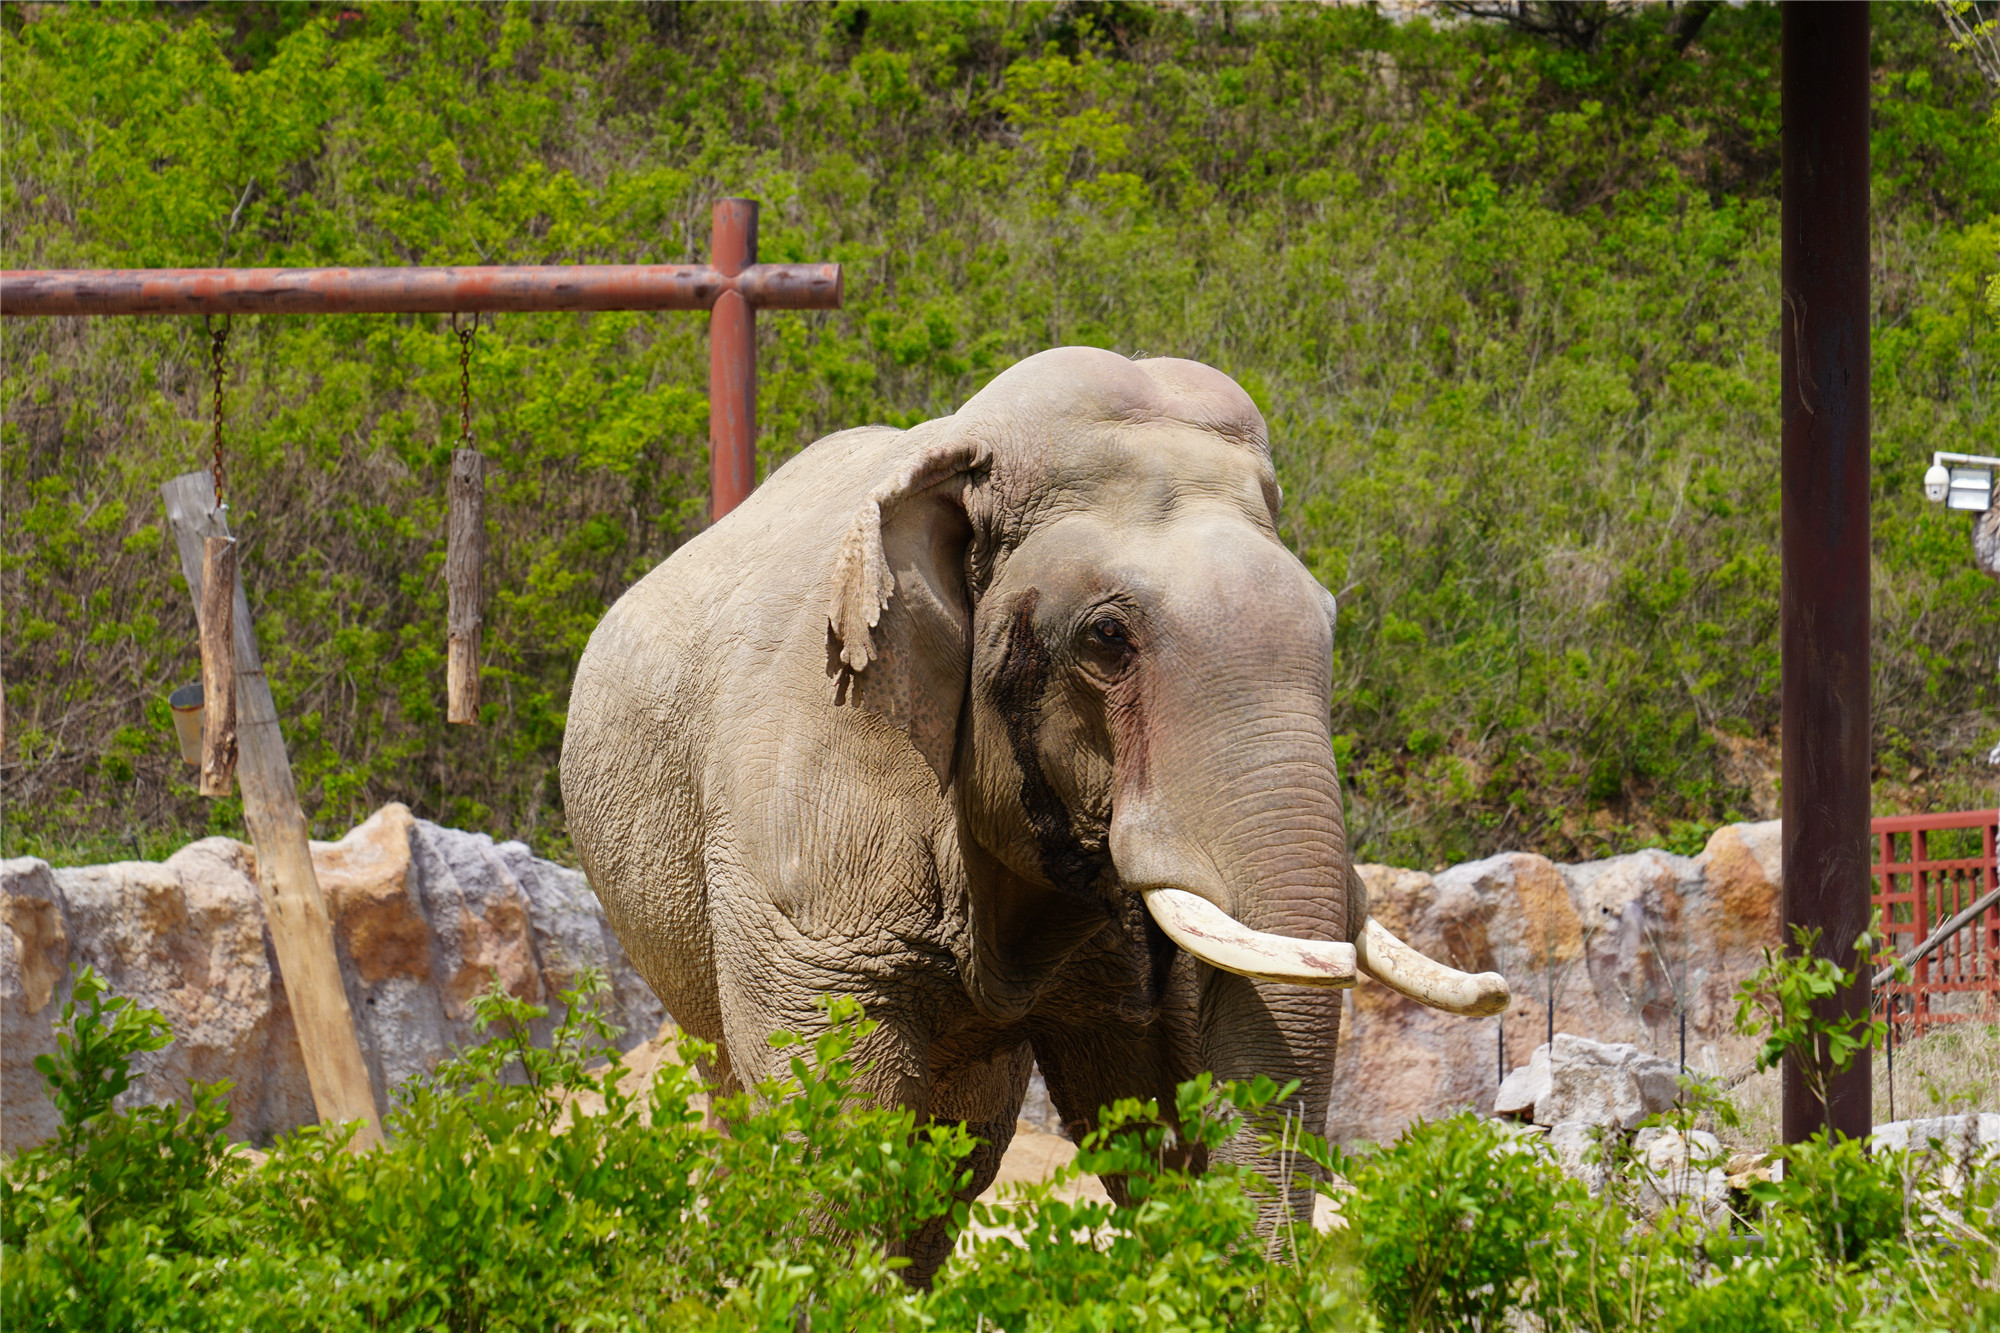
732,363
1824,613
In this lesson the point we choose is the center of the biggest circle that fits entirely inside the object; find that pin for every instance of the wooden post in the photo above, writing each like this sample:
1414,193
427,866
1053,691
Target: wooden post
218,665
301,930
465,556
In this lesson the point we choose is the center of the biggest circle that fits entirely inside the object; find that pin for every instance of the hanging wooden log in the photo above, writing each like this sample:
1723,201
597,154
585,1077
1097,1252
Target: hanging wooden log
218,665
294,909
464,559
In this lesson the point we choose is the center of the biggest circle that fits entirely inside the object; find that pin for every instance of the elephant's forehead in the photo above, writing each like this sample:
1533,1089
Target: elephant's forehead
1127,477
1152,472
1070,390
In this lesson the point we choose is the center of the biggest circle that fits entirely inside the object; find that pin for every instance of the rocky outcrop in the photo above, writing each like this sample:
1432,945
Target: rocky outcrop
425,918
1625,946
1588,1094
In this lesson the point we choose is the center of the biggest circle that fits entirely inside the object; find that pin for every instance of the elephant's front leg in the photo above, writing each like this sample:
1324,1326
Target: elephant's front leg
1087,1069
981,1088
772,979
1093,1054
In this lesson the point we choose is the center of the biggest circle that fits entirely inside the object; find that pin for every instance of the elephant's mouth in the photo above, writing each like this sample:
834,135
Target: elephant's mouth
1218,939
1152,955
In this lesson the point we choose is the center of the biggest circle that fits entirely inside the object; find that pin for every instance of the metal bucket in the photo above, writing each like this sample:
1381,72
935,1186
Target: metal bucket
186,703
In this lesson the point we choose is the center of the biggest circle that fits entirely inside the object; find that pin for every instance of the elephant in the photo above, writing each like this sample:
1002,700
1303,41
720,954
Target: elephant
1015,725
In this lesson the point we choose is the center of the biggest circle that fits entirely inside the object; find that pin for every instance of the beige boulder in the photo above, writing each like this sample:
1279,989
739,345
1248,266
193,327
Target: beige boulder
425,918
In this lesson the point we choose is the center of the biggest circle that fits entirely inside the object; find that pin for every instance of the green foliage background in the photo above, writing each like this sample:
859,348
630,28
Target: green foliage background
1510,309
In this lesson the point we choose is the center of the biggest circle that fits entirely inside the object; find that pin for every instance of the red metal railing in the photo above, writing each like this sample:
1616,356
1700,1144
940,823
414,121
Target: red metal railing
1916,892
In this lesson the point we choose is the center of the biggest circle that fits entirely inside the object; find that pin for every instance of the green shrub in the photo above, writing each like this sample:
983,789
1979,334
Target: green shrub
521,1188
1183,1251
1448,1218
103,1223
494,1203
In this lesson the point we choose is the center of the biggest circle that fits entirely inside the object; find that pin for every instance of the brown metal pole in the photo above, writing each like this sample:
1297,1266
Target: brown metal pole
732,363
1824,612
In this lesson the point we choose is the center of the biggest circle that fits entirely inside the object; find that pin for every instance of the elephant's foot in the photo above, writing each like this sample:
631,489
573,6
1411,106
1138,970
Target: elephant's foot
931,1245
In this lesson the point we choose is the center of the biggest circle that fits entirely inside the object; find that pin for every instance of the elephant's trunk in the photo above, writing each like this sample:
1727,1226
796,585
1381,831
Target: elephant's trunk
1227,818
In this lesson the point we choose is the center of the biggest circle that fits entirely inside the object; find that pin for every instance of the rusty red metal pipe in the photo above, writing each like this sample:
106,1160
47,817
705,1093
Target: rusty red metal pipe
732,361
381,291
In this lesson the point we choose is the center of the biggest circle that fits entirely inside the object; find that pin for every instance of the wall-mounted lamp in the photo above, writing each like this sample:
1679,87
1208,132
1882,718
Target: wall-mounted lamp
1968,484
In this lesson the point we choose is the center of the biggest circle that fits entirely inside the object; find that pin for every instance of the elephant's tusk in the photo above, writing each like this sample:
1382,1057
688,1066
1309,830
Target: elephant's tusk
1218,939
1407,972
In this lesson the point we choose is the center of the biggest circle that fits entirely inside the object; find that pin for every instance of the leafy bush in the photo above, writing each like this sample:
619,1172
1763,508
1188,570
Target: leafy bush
521,1187
495,1203
84,1218
504,1198
1448,1217
1181,1252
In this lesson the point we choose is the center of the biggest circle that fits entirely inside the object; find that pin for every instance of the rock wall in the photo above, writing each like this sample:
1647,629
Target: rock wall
1624,944
424,918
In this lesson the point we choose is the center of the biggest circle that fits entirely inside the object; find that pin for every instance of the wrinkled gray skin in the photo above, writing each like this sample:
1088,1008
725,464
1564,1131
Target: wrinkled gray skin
916,721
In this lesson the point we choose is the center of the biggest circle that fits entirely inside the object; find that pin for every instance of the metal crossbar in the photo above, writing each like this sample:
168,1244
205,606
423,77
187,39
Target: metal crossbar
732,288
1929,869
375,291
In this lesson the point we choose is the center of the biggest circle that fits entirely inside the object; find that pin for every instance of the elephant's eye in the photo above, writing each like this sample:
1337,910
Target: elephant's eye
1107,642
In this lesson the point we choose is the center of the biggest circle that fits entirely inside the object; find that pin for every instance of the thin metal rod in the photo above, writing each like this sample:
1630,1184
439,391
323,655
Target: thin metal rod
1823,616
1889,1036
384,291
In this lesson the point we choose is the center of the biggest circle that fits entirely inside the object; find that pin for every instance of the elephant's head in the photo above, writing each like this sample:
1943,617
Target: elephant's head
1076,603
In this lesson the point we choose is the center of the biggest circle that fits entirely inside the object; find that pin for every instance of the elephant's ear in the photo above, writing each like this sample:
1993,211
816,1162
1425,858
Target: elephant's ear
900,618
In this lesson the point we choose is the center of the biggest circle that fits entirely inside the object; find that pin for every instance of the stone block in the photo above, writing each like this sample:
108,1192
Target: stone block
1604,1083
1527,1085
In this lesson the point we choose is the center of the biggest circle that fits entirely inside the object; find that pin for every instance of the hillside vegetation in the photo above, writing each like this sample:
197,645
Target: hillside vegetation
1509,304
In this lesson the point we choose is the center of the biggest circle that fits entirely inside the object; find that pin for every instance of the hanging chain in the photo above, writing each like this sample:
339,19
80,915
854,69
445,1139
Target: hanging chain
218,344
465,379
